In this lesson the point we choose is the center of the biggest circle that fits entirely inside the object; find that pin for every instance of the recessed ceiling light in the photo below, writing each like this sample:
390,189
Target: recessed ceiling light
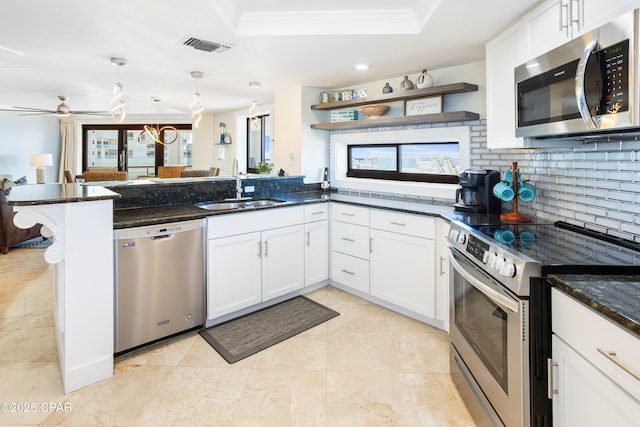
361,67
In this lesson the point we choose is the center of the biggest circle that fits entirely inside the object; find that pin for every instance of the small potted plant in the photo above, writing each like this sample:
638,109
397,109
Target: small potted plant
265,168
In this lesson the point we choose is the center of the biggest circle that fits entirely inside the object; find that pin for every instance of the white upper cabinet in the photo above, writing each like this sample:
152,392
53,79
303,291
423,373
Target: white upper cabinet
503,54
551,24
595,13
547,26
555,22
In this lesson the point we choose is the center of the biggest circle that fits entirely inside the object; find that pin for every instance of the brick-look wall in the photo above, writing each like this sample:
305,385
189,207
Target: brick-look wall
596,185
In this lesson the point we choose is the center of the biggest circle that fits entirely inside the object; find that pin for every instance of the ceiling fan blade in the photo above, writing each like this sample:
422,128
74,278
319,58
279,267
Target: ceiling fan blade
27,110
37,113
88,112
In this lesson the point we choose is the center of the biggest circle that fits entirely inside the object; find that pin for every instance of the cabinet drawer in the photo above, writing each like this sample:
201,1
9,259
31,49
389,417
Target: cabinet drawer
350,271
587,331
350,214
316,212
396,222
248,222
350,239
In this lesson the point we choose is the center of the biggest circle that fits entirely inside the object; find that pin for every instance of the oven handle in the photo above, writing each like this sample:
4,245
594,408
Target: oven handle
496,297
581,97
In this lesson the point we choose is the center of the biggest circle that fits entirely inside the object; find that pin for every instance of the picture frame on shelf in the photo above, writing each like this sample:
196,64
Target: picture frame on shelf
427,105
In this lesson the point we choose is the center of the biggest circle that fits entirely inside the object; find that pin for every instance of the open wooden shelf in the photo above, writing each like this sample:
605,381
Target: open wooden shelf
449,89
455,116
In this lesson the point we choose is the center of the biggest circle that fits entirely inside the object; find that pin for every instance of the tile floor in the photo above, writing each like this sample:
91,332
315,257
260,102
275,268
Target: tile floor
367,367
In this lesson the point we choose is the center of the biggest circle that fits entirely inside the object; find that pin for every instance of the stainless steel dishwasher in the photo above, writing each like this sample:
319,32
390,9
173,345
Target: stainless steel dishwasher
159,289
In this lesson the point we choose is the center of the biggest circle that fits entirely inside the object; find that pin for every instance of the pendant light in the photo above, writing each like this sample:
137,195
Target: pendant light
118,112
253,108
153,135
196,107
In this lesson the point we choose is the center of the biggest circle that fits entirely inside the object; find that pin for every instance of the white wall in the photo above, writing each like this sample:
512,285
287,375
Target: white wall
207,152
298,149
473,73
23,135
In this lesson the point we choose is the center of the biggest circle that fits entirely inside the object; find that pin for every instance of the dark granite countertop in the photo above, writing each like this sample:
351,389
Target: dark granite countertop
45,194
417,207
136,217
615,297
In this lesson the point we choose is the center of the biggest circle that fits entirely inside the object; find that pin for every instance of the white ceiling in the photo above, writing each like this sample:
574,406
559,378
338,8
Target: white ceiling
63,47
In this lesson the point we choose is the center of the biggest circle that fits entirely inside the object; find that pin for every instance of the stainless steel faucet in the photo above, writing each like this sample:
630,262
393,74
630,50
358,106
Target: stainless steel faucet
236,167
238,183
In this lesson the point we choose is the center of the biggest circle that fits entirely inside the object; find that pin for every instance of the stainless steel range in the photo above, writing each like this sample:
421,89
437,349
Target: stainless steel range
500,308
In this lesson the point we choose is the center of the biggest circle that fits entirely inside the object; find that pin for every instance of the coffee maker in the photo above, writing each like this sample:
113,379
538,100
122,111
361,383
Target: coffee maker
475,193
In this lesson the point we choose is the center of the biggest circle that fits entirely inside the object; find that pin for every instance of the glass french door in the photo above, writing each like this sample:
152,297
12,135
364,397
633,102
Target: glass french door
106,146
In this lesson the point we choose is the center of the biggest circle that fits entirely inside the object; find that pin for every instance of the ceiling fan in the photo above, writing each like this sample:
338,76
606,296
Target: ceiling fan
62,110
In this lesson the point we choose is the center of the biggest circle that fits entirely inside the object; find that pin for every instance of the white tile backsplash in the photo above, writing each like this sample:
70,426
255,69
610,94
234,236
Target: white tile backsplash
595,185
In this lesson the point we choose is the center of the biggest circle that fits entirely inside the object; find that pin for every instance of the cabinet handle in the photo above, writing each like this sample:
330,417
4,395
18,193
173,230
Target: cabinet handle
575,20
259,249
370,245
347,239
347,214
611,355
564,24
266,249
308,238
317,213
348,272
442,260
397,223
550,390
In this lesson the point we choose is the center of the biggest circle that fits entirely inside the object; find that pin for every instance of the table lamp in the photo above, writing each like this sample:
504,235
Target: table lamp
40,160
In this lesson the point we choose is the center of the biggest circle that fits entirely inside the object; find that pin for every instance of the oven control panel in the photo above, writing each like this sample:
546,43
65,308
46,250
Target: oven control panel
495,261
502,262
477,248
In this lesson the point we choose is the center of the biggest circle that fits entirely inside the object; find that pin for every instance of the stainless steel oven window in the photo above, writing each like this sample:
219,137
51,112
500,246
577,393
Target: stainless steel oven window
483,323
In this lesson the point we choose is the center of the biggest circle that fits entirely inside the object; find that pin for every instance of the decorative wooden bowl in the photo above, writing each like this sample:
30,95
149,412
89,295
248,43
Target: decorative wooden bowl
373,111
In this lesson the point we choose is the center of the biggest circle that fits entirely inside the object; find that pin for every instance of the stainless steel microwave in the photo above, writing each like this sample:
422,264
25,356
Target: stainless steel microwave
586,86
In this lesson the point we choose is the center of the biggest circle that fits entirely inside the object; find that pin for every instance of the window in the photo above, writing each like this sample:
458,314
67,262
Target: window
258,141
421,162
117,146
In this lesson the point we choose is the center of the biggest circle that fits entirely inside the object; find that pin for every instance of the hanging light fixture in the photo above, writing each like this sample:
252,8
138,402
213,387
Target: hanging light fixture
153,135
196,107
117,103
253,108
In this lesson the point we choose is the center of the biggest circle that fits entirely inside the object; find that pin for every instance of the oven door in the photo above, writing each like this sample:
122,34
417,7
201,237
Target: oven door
489,336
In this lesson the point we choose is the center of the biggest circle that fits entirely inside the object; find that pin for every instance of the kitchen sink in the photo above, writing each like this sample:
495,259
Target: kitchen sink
241,204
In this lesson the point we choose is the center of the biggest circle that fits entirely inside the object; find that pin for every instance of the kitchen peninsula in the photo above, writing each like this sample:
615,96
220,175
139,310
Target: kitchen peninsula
80,219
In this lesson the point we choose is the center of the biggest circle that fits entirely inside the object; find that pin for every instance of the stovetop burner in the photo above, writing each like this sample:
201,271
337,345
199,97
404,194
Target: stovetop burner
556,246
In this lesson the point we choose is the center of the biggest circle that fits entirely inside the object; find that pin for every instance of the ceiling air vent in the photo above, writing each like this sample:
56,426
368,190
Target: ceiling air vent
205,45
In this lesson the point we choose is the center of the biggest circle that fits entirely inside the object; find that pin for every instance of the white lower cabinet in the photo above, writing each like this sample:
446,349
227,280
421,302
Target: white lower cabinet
234,274
394,257
316,252
595,367
264,262
350,246
350,271
282,261
586,397
442,272
316,243
401,272
402,260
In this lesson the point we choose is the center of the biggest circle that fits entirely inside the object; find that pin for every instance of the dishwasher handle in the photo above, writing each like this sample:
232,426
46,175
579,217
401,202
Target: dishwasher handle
164,236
